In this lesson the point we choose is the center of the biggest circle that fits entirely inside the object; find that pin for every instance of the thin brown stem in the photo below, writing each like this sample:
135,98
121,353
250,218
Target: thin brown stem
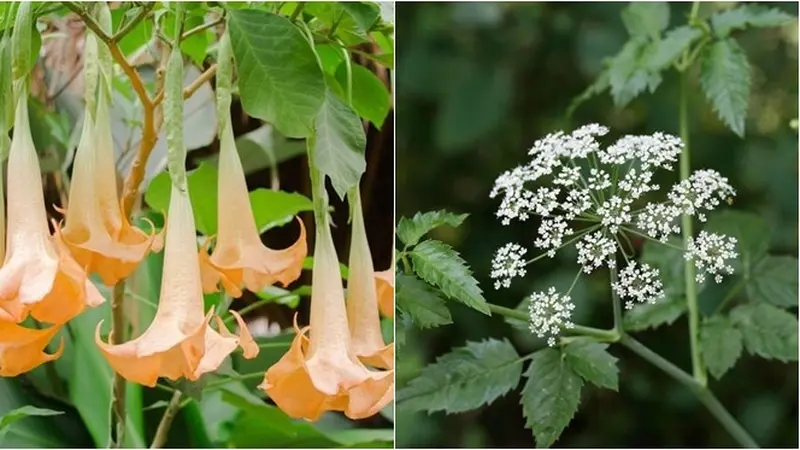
162,432
117,337
188,91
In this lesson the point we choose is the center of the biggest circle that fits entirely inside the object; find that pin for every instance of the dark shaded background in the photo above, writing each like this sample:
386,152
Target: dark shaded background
477,84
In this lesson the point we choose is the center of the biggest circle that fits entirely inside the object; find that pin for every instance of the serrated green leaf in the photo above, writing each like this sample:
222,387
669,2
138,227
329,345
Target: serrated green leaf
550,397
410,231
751,15
593,363
339,144
767,331
725,78
646,315
438,264
629,74
421,303
280,80
774,280
667,50
721,344
464,379
646,18
752,235
20,413
370,95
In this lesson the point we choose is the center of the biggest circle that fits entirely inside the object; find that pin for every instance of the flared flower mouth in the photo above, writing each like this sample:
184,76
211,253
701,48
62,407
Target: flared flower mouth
384,285
39,276
23,349
239,258
96,230
362,298
179,342
322,373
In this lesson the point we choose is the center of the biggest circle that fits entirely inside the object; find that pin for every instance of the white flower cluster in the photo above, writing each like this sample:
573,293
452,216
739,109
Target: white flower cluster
595,250
508,263
587,190
711,254
549,312
639,283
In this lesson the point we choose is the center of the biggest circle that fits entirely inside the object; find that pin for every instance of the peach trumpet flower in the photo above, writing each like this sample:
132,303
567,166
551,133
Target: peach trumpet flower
362,297
96,229
322,373
239,258
179,342
22,349
39,276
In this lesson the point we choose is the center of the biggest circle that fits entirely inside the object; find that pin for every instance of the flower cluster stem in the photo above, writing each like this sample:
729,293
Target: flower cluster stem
700,391
616,302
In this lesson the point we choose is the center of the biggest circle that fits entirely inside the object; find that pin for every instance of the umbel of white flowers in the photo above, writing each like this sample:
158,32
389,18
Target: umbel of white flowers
584,193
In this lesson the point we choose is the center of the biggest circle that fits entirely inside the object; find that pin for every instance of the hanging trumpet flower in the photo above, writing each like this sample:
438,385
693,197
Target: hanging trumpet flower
362,296
39,276
179,342
322,372
239,258
96,230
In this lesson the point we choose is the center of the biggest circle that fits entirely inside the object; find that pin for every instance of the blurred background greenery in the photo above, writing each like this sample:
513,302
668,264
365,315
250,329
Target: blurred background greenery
478,83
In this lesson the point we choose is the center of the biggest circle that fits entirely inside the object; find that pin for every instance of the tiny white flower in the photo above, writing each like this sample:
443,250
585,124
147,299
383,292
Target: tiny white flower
659,220
595,250
637,183
568,176
638,283
702,191
599,180
578,201
549,312
614,212
508,263
551,234
711,254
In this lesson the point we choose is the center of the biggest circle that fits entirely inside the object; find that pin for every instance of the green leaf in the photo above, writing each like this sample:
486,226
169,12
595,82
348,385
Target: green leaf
351,22
438,264
646,19
629,74
33,432
550,397
464,379
767,331
274,294
270,208
280,80
364,14
273,209
721,345
421,302
138,36
21,413
750,15
593,363
410,231
752,235
725,78
774,280
91,378
663,312
194,46
667,50
370,96
339,144
600,85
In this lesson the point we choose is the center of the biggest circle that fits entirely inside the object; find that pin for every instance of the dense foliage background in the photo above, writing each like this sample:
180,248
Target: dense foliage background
478,83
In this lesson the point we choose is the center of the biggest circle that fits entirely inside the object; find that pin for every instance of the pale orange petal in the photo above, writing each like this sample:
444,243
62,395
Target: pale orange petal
22,349
384,284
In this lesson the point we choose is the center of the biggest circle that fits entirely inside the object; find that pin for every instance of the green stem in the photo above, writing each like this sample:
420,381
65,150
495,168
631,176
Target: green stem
166,421
703,394
601,335
255,305
297,10
616,302
698,368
